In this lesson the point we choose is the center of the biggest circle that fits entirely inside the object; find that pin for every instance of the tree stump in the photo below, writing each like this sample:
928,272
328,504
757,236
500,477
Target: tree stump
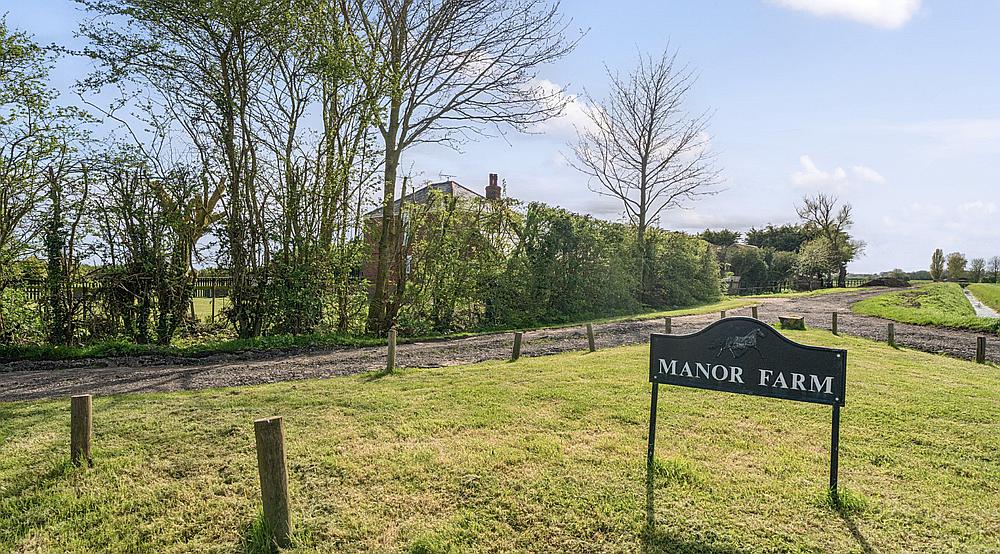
793,322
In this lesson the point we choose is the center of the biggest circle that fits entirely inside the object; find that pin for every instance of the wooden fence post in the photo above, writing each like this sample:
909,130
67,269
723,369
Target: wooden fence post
892,334
390,362
273,471
667,325
590,337
753,312
81,429
213,300
834,323
980,350
516,352
722,314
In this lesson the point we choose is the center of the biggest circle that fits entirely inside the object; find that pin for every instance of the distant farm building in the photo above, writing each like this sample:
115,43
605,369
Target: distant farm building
373,219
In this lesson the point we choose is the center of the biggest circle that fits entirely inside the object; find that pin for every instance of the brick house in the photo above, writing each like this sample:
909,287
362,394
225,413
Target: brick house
373,219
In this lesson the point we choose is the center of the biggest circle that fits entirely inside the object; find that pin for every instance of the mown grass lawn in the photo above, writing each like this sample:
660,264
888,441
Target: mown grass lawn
937,304
987,293
545,454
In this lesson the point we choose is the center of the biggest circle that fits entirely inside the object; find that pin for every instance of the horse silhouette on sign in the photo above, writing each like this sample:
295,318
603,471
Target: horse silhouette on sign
740,345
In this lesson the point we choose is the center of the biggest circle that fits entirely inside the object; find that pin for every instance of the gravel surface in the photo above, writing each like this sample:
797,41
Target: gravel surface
32,380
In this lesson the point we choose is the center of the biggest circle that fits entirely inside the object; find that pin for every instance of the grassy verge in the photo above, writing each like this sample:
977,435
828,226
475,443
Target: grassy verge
544,455
987,293
807,294
936,304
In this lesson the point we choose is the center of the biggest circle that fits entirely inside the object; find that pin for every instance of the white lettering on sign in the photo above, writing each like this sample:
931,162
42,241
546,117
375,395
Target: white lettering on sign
716,372
734,374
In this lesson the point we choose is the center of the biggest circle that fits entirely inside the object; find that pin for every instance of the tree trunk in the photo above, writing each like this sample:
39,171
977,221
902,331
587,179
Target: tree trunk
377,323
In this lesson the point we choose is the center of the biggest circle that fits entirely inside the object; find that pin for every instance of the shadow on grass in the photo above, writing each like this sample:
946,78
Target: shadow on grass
377,375
655,540
846,505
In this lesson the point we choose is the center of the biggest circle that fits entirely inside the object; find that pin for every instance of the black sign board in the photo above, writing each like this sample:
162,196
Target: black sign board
746,356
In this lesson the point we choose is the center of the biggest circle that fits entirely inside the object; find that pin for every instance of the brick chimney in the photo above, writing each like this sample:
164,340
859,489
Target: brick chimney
493,189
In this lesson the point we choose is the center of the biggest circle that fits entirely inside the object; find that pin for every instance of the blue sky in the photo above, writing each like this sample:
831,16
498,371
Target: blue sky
892,105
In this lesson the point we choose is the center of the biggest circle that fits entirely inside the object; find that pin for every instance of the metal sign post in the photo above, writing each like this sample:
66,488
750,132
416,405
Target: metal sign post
745,356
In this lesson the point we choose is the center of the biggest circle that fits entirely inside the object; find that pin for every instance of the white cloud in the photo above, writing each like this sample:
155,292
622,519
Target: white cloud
886,14
865,173
812,177
573,116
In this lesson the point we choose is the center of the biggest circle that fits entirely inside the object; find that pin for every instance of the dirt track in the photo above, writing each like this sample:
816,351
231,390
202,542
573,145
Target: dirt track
30,380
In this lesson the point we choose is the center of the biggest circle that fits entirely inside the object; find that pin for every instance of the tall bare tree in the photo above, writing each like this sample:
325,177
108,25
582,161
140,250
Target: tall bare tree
442,71
823,218
642,148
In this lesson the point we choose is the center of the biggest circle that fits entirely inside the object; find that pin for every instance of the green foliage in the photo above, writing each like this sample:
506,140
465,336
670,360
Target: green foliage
937,265
816,258
938,304
683,270
566,267
722,237
20,323
748,262
956,264
784,238
781,265
457,247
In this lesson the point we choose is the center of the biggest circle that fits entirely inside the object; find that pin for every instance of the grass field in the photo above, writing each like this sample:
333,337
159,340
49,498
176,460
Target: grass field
938,304
987,293
203,307
543,455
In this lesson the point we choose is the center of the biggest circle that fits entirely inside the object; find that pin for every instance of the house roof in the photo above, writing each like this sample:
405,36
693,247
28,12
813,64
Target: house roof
421,195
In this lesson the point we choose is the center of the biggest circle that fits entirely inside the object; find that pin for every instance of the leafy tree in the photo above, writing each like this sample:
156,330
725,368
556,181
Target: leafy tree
748,263
956,263
782,266
33,134
722,237
817,258
977,270
937,265
822,217
785,238
994,269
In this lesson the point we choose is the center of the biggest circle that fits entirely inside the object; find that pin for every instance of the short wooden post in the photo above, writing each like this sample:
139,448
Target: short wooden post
667,324
81,429
722,314
892,334
753,312
390,362
516,352
834,327
980,350
273,471
590,337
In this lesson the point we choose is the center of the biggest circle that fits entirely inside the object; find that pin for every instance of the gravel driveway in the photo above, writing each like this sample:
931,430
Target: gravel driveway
31,380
